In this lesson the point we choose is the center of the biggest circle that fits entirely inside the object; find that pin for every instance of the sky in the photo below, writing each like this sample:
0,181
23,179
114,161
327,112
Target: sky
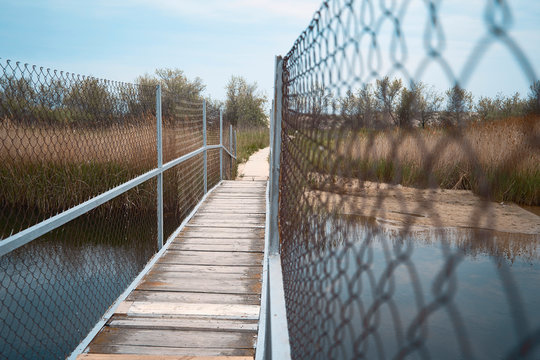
214,39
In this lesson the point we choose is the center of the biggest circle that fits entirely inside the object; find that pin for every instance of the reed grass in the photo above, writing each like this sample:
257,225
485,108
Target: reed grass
250,140
497,160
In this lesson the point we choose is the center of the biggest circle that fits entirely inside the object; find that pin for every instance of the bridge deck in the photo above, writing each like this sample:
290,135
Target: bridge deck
202,297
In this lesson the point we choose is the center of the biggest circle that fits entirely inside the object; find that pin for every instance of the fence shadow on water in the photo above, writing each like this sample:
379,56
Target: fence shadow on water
65,140
400,234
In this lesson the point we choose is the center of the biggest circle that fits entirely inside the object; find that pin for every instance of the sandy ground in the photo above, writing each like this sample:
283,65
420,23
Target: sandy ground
256,168
399,206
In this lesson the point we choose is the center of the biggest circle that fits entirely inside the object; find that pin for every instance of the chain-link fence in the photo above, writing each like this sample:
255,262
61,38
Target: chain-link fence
401,234
69,141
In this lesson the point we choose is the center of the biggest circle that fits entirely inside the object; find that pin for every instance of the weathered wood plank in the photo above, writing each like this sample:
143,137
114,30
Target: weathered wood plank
185,323
157,357
188,276
222,286
254,241
221,311
217,222
235,226
193,297
223,232
212,258
232,210
226,216
208,269
176,351
217,247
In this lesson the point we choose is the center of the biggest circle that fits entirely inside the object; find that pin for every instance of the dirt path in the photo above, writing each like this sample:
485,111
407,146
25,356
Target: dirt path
256,168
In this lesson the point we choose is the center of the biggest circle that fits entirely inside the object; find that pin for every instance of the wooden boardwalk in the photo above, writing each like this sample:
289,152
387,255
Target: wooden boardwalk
202,297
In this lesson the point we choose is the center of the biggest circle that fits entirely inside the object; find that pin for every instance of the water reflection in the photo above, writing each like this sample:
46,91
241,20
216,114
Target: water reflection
382,292
54,289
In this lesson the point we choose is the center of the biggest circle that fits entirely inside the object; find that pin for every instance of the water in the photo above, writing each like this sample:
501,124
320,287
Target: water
55,289
440,294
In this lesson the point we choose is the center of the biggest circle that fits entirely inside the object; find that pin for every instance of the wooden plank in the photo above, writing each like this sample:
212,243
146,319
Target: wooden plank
185,323
208,269
222,311
244,209
182,276
236,286
218,247
222,233
123,307
236,223
157,357
225,216
171,351
212,258
179,241
234,226
193,297
239,211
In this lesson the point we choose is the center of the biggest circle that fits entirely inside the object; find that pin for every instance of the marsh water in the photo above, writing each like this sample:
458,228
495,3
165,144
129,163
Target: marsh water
54,289
432,293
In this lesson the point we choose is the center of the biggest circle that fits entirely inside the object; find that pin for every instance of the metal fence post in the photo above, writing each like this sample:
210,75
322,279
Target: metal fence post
235,140
277,345
230,149
274,166
160,167
221,144
205,155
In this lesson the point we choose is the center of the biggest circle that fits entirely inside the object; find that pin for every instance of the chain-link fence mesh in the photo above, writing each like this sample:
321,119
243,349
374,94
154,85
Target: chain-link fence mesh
400,233
65,139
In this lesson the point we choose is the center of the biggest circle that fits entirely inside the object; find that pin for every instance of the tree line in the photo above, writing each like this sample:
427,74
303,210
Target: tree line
75,100
388,102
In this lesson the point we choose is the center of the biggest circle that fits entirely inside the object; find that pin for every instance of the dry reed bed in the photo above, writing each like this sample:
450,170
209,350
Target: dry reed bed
510,143
499,160
45,169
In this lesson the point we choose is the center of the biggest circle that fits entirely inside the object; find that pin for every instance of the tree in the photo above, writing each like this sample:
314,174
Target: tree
175,87
407,107
534,98
90,102
501,107
245,104
429,104
458,105
387,96
17,99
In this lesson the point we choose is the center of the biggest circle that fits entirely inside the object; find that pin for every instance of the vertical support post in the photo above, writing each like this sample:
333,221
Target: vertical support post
160,167
235,140
277,344
276,153
205,155
221,144
272,121
230,149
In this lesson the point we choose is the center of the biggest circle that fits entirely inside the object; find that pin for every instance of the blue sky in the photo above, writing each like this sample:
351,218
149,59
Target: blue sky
214,39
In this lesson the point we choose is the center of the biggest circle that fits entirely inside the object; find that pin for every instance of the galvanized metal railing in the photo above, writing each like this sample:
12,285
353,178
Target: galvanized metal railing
273,334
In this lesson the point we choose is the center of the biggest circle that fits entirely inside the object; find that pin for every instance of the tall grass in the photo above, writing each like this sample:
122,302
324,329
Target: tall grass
498,160
250,140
